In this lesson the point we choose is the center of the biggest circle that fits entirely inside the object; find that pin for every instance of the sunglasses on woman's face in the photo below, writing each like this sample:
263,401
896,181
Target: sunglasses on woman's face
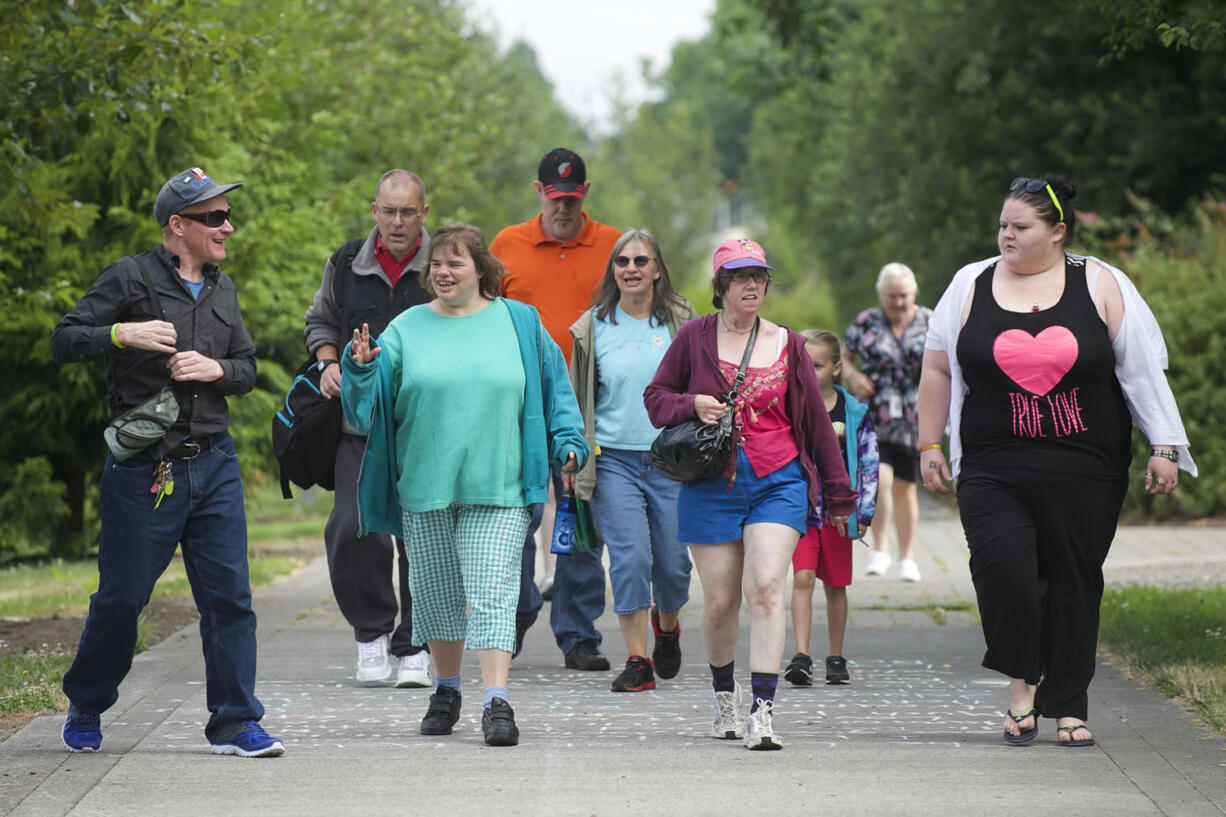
745,276
640,261
213,218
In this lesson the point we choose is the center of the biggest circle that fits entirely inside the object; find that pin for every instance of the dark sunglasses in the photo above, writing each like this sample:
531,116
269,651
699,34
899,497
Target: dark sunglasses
640,261
761,276
1034,186
213,218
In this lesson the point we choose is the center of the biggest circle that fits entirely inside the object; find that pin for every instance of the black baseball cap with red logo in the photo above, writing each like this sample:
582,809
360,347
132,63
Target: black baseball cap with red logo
562,173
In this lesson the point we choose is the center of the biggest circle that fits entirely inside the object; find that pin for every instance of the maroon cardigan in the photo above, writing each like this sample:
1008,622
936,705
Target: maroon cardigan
691,367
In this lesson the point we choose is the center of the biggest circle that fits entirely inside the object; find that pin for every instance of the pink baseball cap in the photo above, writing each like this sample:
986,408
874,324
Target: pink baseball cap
737,253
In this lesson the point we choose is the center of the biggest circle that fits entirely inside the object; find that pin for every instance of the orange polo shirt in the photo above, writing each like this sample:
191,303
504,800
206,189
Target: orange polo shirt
558,279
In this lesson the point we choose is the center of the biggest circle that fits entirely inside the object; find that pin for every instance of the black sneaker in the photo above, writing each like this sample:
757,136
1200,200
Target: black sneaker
636,677
498,724
522,623
836,670
586,656
667,654
800,672
442,713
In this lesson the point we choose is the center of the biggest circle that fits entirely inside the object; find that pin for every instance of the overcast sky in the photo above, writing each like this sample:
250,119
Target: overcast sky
587,47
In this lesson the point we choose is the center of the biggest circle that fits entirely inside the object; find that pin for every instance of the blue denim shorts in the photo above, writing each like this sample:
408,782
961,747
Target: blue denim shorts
709,512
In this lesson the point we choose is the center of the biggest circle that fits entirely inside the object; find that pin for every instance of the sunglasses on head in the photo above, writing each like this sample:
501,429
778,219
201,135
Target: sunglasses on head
1034,186
213,218
640,261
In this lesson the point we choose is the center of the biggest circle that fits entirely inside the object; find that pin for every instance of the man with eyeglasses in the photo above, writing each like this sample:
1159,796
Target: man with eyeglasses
555,261
170,317
370,281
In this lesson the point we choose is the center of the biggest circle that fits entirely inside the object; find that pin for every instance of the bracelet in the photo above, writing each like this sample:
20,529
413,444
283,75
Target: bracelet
1165,453
114,339
930,447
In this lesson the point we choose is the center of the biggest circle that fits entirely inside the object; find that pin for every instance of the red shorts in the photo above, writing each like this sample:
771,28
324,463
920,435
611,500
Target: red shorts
825,552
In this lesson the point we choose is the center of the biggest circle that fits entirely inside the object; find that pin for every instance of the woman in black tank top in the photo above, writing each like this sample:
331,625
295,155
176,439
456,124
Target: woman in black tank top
1045,437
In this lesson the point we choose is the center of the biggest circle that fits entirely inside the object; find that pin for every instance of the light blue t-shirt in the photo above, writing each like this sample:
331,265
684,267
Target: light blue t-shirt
627,355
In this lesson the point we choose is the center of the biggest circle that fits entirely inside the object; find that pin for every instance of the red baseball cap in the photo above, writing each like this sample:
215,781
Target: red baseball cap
737,253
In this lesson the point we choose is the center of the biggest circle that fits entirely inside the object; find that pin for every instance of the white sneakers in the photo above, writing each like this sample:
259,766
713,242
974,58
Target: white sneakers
908,570
760,729
878,562
374,666
414,670
728,724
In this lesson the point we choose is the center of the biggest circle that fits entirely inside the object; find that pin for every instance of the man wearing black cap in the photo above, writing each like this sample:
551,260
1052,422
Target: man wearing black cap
370,281
555,262
169,317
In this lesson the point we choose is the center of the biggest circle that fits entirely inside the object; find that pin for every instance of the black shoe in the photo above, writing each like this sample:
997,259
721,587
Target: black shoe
636,677
667,654
800,672
586,656
442,713
522,623
498,724
836,670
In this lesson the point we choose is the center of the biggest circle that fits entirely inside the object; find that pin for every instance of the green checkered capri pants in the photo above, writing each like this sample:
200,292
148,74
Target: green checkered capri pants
464,566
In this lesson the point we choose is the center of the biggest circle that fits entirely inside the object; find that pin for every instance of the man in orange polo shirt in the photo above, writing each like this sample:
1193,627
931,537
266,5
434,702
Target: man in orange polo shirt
555,262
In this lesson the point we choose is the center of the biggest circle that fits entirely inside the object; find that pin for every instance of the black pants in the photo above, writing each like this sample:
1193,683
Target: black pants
1038,541
361,566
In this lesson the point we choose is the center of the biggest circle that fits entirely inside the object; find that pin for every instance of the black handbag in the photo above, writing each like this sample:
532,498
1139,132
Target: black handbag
694,450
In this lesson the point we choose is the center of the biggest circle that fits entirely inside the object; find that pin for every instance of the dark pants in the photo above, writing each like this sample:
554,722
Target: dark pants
205,515
1038,542
361,566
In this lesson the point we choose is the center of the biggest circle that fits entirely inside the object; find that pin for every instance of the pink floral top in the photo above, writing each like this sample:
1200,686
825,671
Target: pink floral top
761,414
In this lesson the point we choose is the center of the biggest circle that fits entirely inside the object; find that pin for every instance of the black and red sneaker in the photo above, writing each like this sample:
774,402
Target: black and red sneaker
636,677
667,653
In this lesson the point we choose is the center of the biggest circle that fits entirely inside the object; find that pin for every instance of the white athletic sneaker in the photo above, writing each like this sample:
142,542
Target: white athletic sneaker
728,724
878,561
908,570
374,667
414,670
760,729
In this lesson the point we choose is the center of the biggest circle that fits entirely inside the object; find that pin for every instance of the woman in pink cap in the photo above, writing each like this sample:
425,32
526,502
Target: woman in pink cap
743,524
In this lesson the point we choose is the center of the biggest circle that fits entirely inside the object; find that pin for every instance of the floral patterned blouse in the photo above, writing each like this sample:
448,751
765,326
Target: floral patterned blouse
894,367
761,412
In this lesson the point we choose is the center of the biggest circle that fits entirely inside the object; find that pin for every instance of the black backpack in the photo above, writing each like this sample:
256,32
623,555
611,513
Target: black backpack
306,432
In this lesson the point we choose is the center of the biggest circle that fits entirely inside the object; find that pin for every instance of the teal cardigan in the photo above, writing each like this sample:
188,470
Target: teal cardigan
551,423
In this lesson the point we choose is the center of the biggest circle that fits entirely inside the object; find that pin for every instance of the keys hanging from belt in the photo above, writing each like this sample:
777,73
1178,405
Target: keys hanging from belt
163,481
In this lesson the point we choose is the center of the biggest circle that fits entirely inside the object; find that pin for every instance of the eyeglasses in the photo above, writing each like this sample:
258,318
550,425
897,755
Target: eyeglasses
640,261
762,276
213,218
406,213
1034,186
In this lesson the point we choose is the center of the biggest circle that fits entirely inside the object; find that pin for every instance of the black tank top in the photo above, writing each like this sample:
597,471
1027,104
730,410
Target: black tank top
1042,391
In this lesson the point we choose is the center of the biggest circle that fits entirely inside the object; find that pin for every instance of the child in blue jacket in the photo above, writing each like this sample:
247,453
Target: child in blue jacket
822,553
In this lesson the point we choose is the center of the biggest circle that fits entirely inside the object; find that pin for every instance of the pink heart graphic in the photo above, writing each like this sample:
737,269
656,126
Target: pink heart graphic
1036,362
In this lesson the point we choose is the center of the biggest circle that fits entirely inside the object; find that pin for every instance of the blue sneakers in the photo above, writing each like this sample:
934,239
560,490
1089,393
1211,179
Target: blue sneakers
82,732
248,739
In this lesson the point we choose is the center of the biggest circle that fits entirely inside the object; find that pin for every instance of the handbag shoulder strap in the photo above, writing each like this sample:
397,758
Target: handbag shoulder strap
740,373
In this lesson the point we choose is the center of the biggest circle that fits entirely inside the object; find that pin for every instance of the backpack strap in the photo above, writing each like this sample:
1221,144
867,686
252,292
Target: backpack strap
342,274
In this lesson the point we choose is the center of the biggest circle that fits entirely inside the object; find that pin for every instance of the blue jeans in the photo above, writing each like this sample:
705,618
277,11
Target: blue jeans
205,515
635,508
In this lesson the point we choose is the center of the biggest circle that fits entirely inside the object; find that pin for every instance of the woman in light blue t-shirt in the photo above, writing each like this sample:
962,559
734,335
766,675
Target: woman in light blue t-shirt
618,345
465,401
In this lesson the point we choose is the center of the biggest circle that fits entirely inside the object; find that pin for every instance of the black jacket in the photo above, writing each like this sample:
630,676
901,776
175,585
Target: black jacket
212,326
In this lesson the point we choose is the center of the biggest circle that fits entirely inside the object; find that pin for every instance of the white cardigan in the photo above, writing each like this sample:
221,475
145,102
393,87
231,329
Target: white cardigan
1140,360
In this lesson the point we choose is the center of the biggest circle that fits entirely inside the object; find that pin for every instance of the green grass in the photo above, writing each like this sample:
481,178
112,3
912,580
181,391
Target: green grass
1174,641
31,683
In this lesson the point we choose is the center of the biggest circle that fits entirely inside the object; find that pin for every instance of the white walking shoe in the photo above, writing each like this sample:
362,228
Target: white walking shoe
414,670
908,570
878,562
760,729
728,724
374,666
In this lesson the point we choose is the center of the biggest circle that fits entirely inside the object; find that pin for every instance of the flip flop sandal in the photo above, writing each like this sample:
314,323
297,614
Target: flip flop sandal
1070,729
1026,735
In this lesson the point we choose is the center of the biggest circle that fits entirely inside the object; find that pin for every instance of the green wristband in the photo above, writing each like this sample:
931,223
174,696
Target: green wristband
114,339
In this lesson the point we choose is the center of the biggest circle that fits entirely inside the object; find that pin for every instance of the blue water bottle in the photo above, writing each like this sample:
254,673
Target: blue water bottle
564,526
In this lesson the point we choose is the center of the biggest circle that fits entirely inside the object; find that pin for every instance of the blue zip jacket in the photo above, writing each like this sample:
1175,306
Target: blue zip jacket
860,441
552,426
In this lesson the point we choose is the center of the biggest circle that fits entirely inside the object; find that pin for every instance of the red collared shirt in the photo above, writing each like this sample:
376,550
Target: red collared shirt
391,265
